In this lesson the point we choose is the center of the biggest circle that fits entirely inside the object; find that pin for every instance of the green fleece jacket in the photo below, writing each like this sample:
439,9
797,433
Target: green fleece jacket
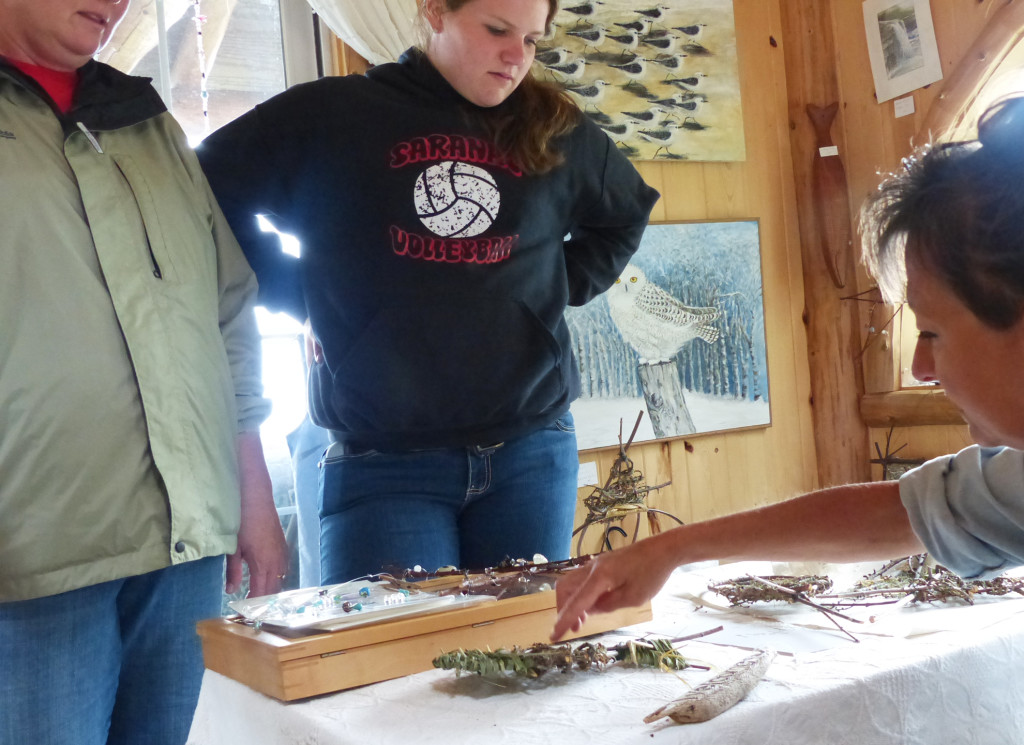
129,354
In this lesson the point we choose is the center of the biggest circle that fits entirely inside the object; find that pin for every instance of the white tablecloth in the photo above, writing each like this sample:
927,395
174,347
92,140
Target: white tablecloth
918,676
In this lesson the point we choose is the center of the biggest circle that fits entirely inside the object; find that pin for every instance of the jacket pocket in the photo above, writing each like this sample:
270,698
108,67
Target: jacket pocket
177,223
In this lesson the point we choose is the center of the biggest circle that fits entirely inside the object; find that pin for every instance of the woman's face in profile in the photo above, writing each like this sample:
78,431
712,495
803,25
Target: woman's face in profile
978,366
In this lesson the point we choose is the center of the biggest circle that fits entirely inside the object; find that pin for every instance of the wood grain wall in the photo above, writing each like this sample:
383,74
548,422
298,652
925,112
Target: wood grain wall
873,140
716,474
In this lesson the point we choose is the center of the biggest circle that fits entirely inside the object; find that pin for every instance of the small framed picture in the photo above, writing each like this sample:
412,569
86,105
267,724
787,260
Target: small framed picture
901,45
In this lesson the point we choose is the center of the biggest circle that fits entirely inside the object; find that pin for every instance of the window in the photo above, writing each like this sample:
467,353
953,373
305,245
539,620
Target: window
251,50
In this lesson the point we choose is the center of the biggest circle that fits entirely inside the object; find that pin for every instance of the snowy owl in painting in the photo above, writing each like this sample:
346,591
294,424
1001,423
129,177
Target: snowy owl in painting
653,322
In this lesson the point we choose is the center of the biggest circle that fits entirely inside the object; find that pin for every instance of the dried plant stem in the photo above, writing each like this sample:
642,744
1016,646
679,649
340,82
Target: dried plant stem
801,598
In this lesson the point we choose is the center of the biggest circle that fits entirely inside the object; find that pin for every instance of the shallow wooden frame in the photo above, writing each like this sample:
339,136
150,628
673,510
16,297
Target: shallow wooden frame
291,669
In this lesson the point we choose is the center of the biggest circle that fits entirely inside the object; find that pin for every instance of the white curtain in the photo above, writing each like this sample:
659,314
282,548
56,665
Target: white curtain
378,30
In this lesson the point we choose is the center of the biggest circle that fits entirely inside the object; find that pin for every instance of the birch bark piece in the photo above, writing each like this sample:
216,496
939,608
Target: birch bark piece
718,694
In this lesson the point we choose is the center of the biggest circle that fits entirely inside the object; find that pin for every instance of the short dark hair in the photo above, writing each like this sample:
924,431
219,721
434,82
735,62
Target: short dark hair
958,208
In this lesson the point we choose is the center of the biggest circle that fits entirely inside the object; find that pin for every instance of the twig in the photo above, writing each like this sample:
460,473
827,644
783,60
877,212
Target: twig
801,598
698,635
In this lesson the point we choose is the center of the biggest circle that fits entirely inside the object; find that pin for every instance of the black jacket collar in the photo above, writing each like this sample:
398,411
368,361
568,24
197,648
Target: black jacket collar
105,98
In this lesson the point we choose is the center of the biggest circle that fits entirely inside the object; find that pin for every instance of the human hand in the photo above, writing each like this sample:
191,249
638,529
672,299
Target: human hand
622,578
261,542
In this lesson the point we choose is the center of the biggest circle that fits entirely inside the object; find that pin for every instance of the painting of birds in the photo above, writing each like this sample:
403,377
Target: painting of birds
592,36
689,82
653,322
647,116
663,137
552,56
618,132
640,25
570,70
694,30
589,93
582,9
688,306
653,13
669,61
675,101
632,70
664,42
628,40
617,58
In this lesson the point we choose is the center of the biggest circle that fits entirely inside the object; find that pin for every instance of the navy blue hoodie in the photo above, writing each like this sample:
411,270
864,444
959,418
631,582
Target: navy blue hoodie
434,272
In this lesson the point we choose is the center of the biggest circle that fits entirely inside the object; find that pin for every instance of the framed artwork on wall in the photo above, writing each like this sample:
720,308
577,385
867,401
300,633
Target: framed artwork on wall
661,78
680,337
901,45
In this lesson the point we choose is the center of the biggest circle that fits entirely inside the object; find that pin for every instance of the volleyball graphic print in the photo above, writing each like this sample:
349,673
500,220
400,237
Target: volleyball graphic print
456,200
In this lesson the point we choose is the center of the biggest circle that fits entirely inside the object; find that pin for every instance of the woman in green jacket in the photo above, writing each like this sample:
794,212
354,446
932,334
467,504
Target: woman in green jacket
129,396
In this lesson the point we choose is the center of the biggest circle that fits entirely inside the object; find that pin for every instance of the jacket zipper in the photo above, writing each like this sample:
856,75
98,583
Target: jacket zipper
89,136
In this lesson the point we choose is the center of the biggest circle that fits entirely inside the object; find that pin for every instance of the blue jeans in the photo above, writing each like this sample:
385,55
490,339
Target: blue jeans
307,444
118,662
464,507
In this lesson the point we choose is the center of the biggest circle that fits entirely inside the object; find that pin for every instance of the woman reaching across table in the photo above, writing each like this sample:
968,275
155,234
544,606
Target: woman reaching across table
948,235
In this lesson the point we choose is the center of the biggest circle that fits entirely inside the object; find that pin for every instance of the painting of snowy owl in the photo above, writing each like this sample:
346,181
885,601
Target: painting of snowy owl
653,322
679,336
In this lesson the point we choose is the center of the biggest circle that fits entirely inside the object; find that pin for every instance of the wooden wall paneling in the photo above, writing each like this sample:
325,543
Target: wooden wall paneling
727,186
789,447
677,467
876,140
344,59
994,43
712,476
918,442
707,479
651,463
868,135
746,463
658,469
685,183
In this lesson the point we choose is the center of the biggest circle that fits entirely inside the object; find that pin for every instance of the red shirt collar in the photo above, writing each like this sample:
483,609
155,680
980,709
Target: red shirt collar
58,83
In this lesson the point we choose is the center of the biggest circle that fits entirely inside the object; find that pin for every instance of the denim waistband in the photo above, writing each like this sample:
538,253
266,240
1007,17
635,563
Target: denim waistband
340,447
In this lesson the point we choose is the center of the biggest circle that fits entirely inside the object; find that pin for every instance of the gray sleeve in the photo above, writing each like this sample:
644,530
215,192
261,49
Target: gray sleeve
968,509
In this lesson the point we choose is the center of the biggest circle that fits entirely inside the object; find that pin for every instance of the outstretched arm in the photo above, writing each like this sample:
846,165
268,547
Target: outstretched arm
861,522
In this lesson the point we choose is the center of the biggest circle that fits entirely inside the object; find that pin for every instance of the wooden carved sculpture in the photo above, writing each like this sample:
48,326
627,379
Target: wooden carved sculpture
831,204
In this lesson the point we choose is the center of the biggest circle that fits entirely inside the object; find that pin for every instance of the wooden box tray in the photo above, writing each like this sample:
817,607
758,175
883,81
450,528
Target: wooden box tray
294,668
